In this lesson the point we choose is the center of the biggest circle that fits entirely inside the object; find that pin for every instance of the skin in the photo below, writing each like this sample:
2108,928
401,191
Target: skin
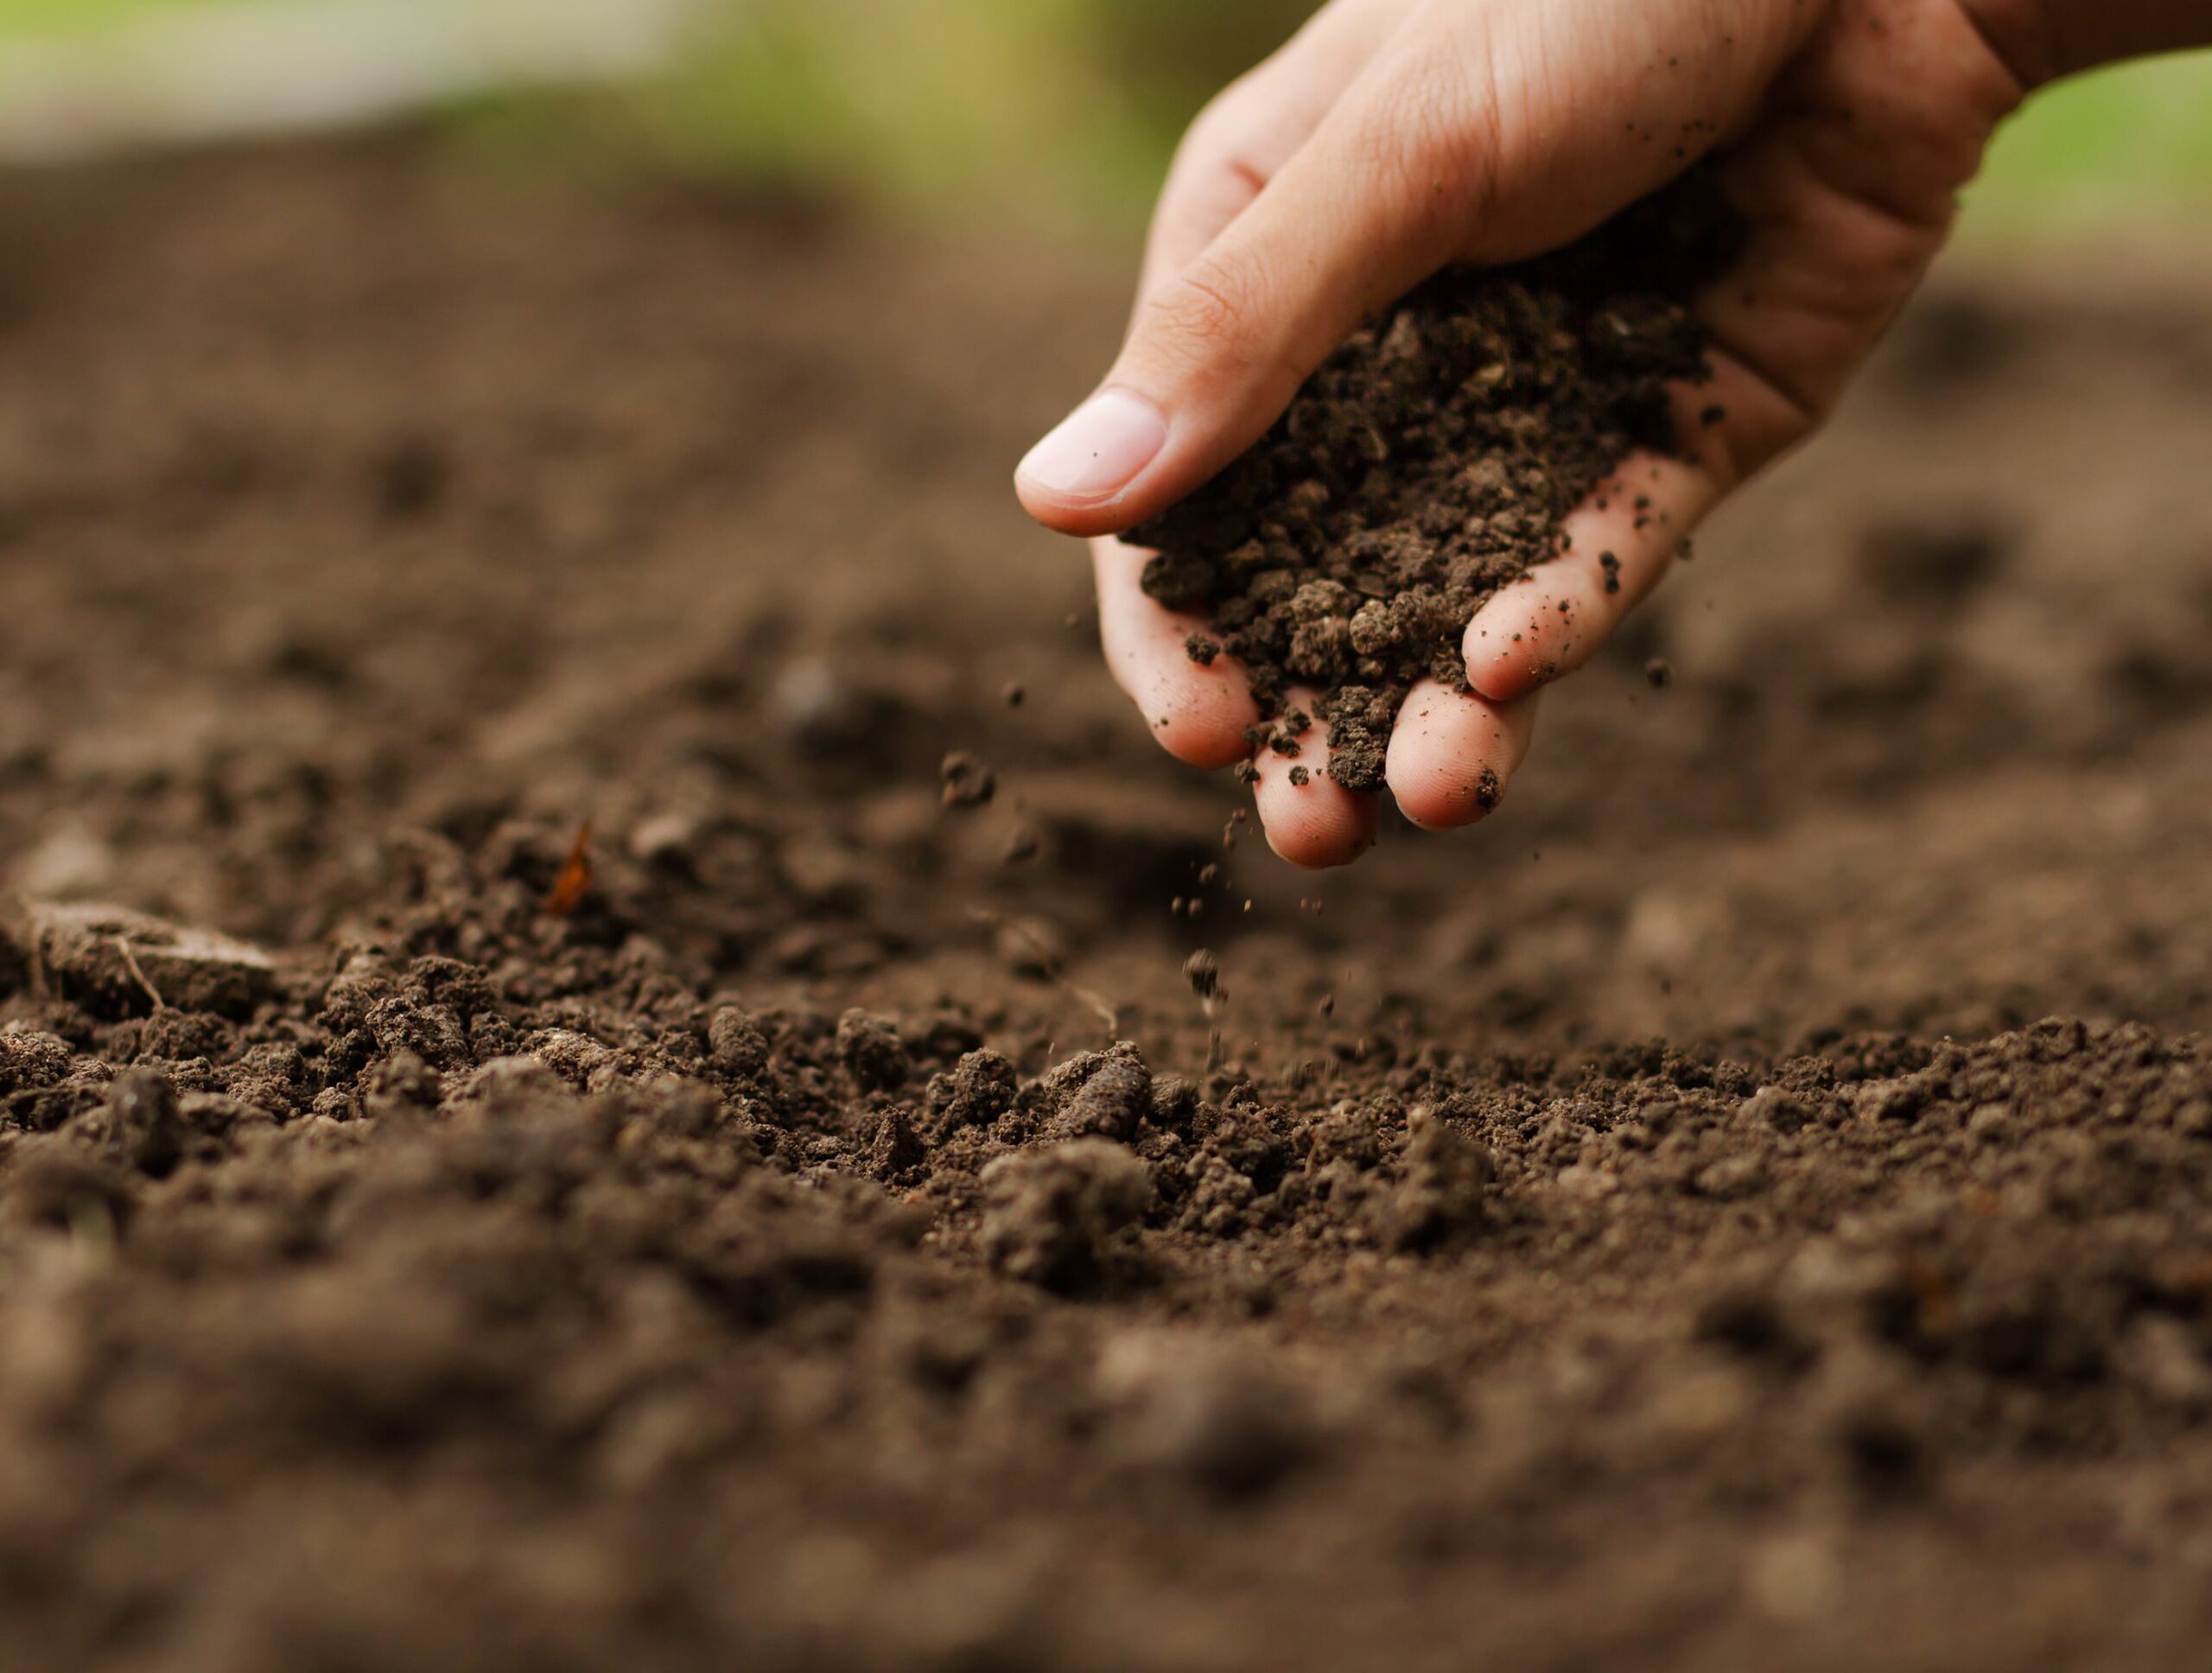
1392,138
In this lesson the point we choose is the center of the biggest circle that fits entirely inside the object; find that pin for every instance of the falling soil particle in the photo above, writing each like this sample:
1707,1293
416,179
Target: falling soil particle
968,782
1203,971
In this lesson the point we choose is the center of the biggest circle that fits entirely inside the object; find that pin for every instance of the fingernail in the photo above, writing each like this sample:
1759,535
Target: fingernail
1098,448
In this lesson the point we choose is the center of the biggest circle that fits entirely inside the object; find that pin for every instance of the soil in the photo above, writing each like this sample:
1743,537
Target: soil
1432,460
1746,1209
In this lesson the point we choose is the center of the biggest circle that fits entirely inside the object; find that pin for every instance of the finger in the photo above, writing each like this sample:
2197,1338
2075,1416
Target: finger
1215,353
1240,140
1819,279
1849,190
1199,713
1618,545
1452,754
1310,820
1450,144
1833,248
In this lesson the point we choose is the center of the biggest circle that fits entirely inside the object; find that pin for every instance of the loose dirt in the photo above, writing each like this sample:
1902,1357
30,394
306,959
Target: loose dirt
1747,1210
1431,461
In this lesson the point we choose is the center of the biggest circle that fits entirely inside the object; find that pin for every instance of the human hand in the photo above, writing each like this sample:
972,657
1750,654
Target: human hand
1392,137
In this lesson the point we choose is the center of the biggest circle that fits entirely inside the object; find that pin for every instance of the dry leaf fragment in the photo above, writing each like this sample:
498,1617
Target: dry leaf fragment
574,881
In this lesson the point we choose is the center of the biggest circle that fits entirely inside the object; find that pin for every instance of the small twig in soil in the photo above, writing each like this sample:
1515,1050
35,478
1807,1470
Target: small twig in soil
130,964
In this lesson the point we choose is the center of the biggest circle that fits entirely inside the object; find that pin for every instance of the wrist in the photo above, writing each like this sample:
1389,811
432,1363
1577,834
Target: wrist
2022,35
2044,40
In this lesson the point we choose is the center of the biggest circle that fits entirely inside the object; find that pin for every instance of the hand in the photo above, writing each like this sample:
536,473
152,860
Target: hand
1392,137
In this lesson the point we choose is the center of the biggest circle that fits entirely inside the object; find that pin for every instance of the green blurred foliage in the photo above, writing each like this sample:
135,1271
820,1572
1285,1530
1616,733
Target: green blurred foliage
2130,143
1067,111
1065,108
21,18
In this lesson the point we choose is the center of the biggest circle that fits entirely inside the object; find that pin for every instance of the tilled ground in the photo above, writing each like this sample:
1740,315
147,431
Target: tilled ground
1745,1207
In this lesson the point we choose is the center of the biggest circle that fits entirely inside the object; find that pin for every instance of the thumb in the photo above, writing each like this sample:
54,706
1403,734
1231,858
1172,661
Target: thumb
1464,140
1215,353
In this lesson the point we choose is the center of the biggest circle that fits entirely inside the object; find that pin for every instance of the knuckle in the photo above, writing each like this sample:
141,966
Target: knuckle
1434,145
1225,136
1478,112
1213,315
1223,123
1585,624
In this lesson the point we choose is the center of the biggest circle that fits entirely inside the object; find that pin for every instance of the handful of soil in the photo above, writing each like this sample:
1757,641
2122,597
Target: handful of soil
1431,461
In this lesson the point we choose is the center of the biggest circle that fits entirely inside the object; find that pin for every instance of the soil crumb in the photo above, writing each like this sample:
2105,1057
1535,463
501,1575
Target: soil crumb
968,782
1203,971
1430,461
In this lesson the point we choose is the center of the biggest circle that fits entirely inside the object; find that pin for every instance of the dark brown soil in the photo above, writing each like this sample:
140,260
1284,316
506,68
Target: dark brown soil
1428,462
1751,1209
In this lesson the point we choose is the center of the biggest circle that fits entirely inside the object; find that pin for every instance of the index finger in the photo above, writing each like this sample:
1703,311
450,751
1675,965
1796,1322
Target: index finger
1254,126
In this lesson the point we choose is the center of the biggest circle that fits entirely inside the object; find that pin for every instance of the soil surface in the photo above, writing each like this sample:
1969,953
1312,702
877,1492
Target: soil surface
1748,1206
1430,460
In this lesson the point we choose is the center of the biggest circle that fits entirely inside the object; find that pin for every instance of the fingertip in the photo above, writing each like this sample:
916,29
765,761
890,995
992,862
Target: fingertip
1063,516
1043,508
1445,805
1078,479
1198,711
1451,756
1508,679
1311,820
1205,726
1506,649
1317,827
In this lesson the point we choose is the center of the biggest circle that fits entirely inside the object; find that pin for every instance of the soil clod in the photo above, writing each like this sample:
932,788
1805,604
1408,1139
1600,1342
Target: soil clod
872,1050
1055,1216
1438,1200
1098,1094
117,962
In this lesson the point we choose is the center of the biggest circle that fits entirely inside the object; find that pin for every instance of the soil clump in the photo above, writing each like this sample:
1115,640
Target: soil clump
1431,461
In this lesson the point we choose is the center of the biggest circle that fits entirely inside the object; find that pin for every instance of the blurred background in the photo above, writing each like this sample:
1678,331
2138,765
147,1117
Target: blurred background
1060,112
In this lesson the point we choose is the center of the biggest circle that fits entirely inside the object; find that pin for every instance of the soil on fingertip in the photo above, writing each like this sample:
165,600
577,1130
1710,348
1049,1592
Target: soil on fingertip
533,1137
1431,461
